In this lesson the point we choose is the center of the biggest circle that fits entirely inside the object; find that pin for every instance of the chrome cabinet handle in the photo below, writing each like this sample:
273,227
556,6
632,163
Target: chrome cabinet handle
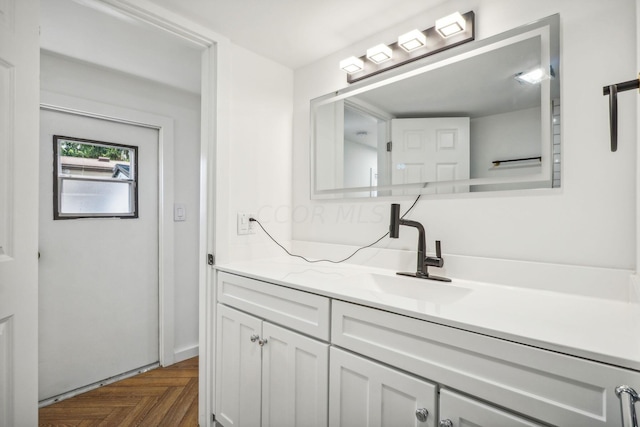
445,423
261,342
628,397
422,414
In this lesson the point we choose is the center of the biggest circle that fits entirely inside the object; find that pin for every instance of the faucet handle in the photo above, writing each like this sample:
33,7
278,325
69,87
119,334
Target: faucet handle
394,226
436,261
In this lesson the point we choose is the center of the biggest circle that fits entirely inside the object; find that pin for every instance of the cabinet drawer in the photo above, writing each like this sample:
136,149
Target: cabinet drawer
551,387
464,411
297,310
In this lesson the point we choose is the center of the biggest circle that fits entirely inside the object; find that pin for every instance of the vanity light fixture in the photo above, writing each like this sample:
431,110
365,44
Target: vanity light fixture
450,31
414,39
379,54
450,25
352,65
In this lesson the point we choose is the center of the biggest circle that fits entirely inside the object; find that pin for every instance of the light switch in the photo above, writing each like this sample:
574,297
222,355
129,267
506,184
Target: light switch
179,212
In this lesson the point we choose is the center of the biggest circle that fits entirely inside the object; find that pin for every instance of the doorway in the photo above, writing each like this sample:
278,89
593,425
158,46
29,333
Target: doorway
213,55
18,232
98,276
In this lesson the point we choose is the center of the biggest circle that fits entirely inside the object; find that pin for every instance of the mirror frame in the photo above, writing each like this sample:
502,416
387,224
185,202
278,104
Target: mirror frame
546,28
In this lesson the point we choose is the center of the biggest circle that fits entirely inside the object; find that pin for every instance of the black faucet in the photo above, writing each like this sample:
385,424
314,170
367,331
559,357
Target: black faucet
424,262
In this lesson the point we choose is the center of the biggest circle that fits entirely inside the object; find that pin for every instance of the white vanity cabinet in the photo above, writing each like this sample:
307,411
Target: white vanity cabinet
238,368
366,393
288,357
531,383
266,374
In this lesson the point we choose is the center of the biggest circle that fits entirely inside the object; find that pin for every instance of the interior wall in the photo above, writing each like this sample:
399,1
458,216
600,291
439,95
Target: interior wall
259,170
590,221
511,135
359,160
70,77
515,134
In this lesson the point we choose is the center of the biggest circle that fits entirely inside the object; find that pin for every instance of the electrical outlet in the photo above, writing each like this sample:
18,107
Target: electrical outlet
252,224
244,225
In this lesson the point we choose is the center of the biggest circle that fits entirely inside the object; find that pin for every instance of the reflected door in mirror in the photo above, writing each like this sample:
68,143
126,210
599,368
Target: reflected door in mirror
430,150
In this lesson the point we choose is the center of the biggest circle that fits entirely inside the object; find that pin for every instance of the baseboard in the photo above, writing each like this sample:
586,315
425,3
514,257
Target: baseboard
186,353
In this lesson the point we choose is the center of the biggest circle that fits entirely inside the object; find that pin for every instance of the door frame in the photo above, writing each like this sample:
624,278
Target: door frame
50,101
214,168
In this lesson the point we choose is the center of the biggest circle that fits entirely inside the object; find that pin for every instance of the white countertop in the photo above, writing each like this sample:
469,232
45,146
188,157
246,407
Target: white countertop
592,328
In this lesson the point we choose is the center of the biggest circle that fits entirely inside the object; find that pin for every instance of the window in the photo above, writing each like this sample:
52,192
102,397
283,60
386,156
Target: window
93,179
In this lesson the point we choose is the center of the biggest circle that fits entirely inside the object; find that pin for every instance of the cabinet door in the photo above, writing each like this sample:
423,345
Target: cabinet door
238,366
295,379
463,411
365,393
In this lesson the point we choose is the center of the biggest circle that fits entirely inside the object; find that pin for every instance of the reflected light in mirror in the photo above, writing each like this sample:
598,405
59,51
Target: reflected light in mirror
412,40
352,64
450,25
533,76
379,53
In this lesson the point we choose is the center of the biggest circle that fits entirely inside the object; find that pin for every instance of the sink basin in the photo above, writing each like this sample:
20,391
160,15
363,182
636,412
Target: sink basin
405,287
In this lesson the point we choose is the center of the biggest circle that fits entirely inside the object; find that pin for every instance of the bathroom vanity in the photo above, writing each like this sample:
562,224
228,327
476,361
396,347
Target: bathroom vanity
310,345
295,344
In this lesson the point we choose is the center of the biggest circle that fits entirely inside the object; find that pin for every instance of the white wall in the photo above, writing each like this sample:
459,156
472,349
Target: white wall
78,79
359,159
515,134
590,221
511,135
259,169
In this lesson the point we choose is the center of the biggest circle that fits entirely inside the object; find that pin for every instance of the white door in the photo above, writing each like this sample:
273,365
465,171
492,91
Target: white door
430,150
295,379
238,368
365,393
19,100
463,411
98,283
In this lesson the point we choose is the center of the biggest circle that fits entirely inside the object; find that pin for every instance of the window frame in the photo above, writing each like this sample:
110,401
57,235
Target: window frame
58,179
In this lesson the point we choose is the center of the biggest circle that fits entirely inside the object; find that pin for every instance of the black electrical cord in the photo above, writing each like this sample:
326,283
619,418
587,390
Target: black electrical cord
328,260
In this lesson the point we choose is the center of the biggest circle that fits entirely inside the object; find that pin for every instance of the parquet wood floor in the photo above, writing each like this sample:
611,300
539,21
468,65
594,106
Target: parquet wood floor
161,397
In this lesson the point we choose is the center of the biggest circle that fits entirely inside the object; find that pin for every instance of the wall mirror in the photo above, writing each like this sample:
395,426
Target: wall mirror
484,116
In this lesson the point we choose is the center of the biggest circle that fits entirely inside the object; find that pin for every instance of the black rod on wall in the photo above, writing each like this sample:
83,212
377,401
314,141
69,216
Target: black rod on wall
498,162
612,91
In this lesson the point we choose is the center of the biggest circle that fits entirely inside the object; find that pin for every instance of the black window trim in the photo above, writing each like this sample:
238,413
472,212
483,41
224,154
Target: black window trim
56,180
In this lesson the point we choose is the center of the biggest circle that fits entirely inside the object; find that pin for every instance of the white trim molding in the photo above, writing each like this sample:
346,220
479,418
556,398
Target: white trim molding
186,353
637,139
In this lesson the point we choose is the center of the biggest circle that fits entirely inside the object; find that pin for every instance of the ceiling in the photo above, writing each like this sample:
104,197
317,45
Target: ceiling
297,32
293,33
89,31
477,85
